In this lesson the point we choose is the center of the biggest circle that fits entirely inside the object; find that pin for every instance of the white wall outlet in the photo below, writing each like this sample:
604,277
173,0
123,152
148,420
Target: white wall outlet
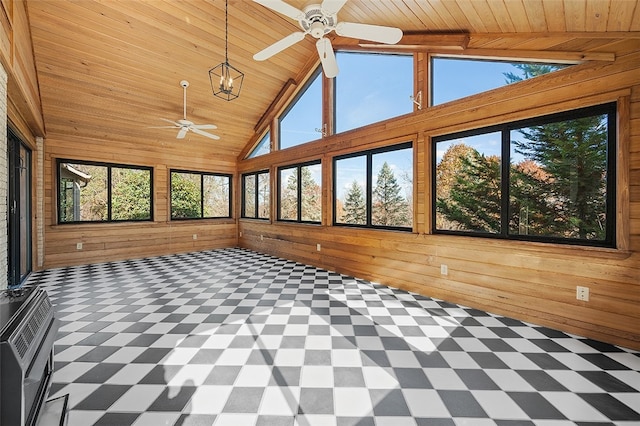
261,237
582,293
78,246
240,234
318,247
444,269
195,236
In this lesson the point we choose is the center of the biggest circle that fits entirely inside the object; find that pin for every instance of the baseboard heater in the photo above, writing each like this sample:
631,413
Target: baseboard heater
28,329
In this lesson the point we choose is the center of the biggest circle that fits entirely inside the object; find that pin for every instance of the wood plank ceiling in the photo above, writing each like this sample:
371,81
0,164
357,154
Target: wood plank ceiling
110,69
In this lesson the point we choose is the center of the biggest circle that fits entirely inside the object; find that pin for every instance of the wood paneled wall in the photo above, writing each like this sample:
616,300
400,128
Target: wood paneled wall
116,241
534,282
16,54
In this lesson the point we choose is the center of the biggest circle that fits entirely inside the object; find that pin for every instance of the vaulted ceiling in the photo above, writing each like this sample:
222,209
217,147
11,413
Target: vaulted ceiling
111,69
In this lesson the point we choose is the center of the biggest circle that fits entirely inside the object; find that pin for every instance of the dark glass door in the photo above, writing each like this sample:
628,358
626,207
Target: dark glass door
19,197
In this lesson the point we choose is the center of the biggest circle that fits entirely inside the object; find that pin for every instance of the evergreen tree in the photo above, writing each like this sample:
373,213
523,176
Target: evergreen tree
355,207
529,70
389,206
559,189
574,154
311,202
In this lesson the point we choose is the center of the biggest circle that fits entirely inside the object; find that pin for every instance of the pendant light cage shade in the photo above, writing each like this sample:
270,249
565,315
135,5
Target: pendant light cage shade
226,81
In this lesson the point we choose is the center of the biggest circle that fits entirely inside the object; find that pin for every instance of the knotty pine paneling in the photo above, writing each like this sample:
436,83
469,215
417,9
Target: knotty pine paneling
530,281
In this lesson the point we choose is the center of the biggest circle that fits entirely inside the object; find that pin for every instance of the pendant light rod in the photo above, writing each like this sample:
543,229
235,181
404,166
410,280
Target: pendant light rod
226,80
226,31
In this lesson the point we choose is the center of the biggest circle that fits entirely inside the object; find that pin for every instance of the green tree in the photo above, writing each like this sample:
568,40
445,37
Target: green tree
473,201
355,207
529,70
311,201
558,190
574,155
185,197
130,194
389,206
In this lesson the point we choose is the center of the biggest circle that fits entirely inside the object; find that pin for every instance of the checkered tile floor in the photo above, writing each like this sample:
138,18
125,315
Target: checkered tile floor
233,337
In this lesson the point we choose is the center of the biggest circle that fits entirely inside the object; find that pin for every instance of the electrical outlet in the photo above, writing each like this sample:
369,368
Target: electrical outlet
261,237
195,236
582,293
78,246
444,269
318,247
240,234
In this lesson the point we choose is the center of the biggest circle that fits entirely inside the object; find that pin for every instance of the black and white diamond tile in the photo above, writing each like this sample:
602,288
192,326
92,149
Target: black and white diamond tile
233,337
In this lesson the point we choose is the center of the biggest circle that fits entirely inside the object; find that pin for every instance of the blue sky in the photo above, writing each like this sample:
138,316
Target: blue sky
372,88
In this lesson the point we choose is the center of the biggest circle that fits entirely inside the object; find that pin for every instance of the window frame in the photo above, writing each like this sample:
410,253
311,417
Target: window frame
202,175
298,167
256,201
264,140
369,185
608,109
109,188
317,73
435,57
333,107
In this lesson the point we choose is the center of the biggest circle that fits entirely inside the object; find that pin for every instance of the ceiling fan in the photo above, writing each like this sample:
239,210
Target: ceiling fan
319,20
185,125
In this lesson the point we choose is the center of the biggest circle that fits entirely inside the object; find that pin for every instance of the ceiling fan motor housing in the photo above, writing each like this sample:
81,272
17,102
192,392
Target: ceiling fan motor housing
316,22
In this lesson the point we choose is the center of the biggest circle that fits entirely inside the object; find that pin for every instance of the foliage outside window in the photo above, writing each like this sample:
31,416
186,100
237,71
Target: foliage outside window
546,179
372,87
300,193
101,192
301,122
375,188
256,195
456,78
198,195
263,147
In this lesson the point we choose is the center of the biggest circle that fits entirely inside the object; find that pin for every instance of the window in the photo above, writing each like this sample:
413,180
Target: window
198,195
263,147
99,192
375,188
300,199
372,87
255,195
550,179
457,78
302,121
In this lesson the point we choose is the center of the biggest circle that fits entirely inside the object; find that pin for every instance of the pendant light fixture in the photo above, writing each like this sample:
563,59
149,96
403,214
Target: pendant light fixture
226,80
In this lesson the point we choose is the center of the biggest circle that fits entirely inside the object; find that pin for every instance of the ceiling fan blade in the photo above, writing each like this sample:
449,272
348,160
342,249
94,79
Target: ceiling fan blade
206,134
327,57
282,7
331,7
279,46
388,35
170,121
204,126
181,134
161,127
